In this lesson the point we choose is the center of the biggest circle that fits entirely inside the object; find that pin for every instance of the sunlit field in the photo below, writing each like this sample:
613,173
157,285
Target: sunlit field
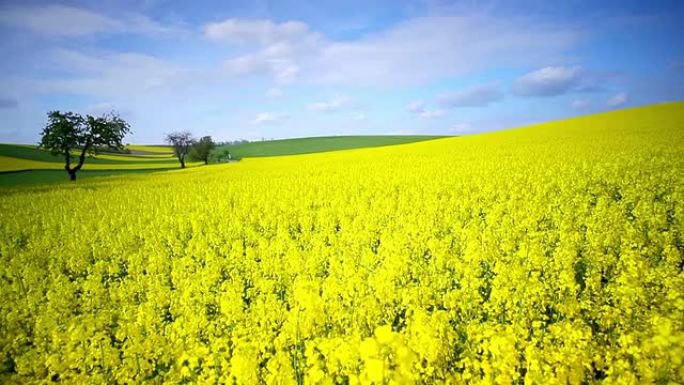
549,254
27,164
15,157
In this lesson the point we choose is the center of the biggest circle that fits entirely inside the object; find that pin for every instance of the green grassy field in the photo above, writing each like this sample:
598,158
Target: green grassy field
32,153
316,144
33,177
26,164
22,164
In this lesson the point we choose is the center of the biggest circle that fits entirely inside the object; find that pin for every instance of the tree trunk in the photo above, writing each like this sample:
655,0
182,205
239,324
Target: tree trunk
206,161
67,166
81,159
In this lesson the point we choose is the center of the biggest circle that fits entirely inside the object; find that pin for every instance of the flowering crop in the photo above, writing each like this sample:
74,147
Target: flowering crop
550,254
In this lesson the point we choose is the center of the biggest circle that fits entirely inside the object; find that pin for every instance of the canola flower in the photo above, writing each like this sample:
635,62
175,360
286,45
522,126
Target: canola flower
551,254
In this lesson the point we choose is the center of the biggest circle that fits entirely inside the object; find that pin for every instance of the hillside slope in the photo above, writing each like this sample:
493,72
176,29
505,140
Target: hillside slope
547,254
316,144
27,164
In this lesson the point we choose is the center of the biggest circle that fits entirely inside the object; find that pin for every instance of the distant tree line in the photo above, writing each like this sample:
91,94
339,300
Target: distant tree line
232,142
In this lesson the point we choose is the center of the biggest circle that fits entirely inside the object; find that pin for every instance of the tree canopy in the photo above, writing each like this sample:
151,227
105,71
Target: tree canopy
68,132
202,148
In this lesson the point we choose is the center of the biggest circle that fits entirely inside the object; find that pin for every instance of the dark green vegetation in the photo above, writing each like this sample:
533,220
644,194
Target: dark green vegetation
66,132
29,165
12,179
28,152
315,144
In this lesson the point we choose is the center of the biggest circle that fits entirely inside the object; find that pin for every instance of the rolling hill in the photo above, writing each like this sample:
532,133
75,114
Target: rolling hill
26,164
547,254
316,144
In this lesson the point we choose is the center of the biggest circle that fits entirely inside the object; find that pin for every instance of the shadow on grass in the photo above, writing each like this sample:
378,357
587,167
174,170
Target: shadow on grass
35,177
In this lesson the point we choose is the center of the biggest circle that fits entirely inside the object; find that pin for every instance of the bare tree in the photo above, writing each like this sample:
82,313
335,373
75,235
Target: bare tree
181,142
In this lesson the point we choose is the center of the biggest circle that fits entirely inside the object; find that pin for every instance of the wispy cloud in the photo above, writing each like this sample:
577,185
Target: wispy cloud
271,62
228,67
477,96
69,22
328,106
268,118
432,114
421,109
579,104
261,32
423,49
107,75
413,52
274,92
618,100
548,81
416,106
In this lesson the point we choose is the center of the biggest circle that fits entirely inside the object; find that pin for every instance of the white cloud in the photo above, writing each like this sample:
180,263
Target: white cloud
416,106
59,20
66,21
279,47
109,75
285,74
245,65
419,108
274,92
578,104
412,52
477,96
429,48
278,62
129,80
138,23
548,81
618,99
262,32
359,117
268,117
331,106
432,114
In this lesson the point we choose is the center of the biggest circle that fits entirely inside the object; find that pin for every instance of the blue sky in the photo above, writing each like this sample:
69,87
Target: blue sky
292,68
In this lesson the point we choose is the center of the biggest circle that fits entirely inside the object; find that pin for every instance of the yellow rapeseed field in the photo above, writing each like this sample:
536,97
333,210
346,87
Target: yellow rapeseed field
551,254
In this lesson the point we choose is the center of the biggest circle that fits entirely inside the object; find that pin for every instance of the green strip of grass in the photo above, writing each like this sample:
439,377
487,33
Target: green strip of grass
33,177
315,144
33,153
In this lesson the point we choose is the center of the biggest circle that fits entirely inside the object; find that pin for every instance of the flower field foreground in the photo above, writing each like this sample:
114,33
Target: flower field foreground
551,254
